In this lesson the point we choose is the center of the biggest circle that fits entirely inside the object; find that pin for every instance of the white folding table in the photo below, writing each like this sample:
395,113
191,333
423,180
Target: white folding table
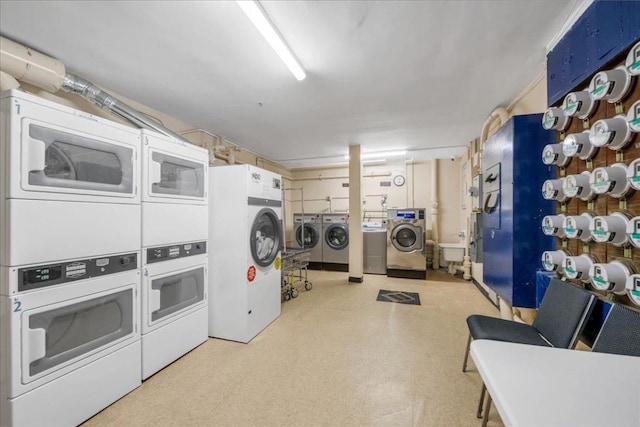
542,386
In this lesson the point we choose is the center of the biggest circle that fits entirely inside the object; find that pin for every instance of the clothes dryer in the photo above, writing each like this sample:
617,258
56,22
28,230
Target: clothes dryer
310,238
406,255
335,244
69,338
174,303
175,189
245,226
69,183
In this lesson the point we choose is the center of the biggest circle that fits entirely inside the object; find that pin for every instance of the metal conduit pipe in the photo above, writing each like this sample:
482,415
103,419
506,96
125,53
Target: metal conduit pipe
434,214
500,113
30,66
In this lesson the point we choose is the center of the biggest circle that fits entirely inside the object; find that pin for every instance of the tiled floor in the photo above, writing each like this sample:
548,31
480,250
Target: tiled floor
335,357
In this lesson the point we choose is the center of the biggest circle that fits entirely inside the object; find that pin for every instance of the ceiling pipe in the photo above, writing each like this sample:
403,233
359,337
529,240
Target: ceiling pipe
500,113
48,73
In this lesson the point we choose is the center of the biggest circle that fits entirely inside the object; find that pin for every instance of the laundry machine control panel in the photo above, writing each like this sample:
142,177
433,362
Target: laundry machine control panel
164,253
41,276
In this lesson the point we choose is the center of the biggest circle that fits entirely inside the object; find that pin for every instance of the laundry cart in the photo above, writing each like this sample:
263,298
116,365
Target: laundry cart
294,272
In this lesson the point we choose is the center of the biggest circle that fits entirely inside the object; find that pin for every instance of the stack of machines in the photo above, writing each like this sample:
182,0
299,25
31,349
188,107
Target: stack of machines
174,249
70,262
244,286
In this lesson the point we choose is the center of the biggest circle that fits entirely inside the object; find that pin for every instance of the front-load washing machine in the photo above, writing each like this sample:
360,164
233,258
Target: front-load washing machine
70,183
69,338
245,232
406,256
335,243
174,191
309,236
174,303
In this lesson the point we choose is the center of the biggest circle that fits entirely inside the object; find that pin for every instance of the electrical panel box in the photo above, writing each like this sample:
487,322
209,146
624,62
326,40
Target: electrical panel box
513,208
606,29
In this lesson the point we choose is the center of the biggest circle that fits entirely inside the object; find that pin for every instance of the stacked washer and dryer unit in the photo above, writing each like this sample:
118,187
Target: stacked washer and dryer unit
245,276
406,254
174,249
69,254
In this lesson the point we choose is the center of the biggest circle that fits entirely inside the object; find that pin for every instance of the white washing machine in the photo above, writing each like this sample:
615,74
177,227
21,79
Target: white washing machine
69,338
311,238
335,242
406,256
174,303
69,183
175,191
245,232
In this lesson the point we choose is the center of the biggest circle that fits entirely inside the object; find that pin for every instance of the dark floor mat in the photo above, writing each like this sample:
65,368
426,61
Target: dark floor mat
412,298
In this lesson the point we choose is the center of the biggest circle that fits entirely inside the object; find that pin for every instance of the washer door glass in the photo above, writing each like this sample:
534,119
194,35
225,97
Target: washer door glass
77,162
175,176
407,238
311,236
176,292
265,237
337,236
56,335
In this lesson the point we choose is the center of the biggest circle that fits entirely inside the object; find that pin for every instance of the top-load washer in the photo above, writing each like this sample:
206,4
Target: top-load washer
246,234
69,183
175,191
309,236
406,255
335,242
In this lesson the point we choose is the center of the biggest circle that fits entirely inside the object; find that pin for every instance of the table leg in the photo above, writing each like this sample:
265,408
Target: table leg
481,402
466,354
487,407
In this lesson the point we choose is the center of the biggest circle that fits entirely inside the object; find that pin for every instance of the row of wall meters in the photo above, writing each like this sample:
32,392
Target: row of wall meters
618,276
607,85
618,228
614,133
617,181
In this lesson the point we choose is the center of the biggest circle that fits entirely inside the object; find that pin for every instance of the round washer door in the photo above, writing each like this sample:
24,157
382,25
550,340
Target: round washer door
311,235
337,236
265,237
407,238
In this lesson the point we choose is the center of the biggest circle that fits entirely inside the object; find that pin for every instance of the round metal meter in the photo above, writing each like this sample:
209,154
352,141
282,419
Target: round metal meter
610,229
633,60
577,227
613,133
611,276
578,186
552,260
633,117
610,179
633,288
579,145
552,225
610,85
552,154
554,118
577,267
578,104
633,174
633,231
553,189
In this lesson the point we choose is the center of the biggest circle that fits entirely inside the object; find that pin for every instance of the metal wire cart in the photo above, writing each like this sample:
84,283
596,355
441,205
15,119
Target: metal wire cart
294,272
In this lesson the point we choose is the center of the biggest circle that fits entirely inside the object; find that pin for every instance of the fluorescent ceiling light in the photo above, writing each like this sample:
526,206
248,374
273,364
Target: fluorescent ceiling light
374,161
380,153
259,18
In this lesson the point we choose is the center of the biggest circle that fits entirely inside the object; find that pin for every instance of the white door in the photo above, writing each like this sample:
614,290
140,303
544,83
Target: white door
174,176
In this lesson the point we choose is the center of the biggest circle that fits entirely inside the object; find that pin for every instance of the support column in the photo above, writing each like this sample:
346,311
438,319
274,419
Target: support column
356,242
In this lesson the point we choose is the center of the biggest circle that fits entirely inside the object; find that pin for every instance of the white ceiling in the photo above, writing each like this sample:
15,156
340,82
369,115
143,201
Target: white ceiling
421,76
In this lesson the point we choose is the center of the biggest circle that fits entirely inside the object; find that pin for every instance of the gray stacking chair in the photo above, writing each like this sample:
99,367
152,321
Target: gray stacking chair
561,317
620,332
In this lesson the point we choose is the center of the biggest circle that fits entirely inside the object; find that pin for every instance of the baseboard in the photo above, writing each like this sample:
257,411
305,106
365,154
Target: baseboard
355,279
333,266
485,293
406,274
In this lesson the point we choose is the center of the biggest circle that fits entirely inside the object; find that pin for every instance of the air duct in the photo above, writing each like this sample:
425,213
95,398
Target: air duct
47,73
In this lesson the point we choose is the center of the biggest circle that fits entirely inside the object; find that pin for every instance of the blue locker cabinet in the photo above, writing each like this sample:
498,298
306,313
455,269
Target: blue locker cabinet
513,208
